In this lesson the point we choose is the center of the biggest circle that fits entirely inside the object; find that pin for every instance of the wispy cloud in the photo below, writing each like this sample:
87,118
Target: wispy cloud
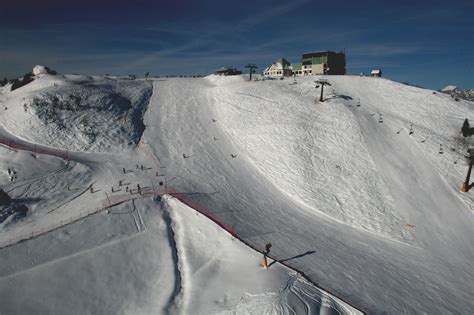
386,50
266,14
214,33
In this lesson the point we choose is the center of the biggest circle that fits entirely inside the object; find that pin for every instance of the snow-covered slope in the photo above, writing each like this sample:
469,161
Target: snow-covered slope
381,207
360,192
78,112
173,262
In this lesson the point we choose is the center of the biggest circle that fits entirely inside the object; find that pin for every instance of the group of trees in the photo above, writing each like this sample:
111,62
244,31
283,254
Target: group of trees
18,83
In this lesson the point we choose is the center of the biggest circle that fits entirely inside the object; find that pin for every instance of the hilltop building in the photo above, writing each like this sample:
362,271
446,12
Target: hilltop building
297,68
376,73
323,62
279,68
312,63
227,71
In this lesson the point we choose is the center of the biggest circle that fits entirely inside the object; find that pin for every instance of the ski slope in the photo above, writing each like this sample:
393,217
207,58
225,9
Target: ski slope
360,192
285,185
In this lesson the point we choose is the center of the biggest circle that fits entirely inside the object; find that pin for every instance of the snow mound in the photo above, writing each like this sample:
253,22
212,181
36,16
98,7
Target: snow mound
78,113
38,70
449,88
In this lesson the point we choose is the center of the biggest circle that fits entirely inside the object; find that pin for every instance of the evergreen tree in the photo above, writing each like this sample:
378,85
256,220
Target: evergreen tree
466,128
51,71
27,78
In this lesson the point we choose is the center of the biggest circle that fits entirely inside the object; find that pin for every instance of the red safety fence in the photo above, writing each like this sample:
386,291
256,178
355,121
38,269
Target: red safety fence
111,200
184,198
38,149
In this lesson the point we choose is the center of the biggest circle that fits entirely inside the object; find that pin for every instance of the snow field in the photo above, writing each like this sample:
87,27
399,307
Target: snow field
344,193
174,262
100,265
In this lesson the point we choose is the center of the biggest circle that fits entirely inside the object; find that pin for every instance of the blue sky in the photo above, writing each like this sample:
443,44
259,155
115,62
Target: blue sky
429,43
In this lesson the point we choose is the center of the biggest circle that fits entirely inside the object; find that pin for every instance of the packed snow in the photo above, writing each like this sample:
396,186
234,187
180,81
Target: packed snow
359,192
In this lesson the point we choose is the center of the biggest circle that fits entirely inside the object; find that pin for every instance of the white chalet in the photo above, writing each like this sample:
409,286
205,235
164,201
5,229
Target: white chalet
280,68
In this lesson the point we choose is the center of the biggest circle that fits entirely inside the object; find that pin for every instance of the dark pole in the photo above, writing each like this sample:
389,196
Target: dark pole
465,186
322,83
468,177
251,67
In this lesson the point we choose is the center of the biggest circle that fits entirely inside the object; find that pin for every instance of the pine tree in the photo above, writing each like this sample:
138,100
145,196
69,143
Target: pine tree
466,128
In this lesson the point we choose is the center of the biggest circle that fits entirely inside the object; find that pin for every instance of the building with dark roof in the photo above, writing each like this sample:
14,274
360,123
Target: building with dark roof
376,73
227,71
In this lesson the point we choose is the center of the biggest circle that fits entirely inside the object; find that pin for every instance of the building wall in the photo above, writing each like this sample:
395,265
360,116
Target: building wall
337,63
316,63
312,69
273,71
317,68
